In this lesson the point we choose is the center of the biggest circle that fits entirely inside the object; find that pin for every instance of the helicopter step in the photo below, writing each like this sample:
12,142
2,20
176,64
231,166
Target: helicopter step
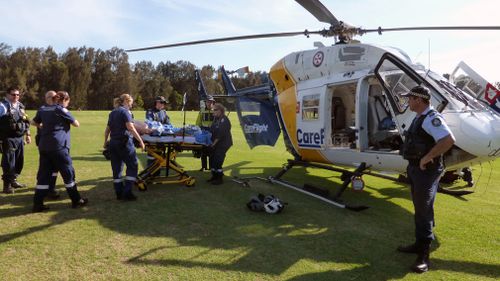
347,178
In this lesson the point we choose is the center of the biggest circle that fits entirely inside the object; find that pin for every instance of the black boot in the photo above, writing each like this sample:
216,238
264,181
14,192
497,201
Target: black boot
80,203
76,200
212,178
53,194
422,263
218,179
409,249
38,205
16,184
129,196
7,188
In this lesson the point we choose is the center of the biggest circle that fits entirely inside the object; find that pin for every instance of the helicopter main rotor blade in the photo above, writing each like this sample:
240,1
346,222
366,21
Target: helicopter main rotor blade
233,38
380,29
319,11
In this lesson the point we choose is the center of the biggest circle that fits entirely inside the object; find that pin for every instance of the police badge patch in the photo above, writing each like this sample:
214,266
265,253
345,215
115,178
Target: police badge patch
436,122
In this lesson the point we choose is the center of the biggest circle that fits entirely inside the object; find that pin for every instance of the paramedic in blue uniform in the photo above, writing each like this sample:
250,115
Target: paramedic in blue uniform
14,124
54,147
120,130
222,140
204,121
425,142
53,194
158,114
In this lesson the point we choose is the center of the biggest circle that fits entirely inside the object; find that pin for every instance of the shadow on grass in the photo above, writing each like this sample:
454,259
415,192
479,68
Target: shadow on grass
90,157
213,229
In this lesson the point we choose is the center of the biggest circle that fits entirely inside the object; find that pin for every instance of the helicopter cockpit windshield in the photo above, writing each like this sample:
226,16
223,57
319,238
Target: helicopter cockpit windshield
397,78
457,98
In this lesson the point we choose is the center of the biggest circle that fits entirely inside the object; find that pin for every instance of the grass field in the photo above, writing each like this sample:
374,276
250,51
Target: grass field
205,232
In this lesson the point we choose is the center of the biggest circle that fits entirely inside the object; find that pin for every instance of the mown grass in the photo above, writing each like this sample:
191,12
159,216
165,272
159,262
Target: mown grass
206,233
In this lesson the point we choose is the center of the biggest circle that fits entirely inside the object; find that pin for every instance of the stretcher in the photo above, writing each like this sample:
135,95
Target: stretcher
163,149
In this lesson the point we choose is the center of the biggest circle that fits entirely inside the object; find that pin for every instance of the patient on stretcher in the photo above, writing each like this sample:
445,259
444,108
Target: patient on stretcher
189,132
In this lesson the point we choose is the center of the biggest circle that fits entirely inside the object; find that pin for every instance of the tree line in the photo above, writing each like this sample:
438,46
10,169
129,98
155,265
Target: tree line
93,77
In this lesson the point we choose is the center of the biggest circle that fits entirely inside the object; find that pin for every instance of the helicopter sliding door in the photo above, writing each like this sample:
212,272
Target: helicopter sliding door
465,78
398,78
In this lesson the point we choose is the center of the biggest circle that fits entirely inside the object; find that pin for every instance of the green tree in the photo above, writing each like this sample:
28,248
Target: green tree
100,94
79,65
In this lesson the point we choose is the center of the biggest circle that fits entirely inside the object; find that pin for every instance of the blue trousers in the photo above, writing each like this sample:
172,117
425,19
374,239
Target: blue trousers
51,161
123,153
12,158
424,184
216,159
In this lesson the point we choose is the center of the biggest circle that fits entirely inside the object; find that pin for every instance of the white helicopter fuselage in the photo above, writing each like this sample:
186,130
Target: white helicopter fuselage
341,105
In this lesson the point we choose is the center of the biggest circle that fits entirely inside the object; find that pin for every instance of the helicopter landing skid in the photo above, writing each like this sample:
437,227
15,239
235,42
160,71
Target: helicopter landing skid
347,177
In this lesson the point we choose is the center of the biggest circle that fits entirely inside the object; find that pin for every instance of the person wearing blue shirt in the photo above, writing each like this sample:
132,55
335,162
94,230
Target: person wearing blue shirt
14,124
53,193
425,142
54,122
120,130
158,114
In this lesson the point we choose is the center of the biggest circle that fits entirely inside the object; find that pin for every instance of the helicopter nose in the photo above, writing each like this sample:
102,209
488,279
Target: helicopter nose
477,133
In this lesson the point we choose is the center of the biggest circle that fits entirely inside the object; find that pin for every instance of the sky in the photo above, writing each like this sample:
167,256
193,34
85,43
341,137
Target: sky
103,24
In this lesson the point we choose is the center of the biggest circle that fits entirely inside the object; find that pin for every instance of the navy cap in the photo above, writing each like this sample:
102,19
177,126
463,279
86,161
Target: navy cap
418,91
161,99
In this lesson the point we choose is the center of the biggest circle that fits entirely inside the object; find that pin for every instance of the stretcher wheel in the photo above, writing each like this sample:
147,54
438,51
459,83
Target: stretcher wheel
190,182
141,186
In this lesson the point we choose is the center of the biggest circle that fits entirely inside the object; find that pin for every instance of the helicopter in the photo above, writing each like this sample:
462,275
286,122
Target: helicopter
342,105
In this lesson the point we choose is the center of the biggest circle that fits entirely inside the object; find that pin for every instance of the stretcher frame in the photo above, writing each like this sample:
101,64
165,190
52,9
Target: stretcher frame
164,153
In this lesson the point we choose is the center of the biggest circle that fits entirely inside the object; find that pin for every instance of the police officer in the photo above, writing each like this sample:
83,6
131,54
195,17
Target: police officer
54,147
53,193
222,140
158,114
204,121
14,124
425,142
121,130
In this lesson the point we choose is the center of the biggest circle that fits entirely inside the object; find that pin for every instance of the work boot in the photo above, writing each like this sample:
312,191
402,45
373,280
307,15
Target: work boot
76,200
39,208
218,179
7,188
118,186
422,263
129,197
16,184
213,177
409,249
80,203
53,194
38,205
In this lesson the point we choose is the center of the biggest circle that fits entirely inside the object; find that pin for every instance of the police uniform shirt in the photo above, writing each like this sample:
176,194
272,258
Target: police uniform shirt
117,122
14,109
56,123
158,115
434,125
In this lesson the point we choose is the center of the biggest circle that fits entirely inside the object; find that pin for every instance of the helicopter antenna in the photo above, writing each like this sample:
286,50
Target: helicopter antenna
429,56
